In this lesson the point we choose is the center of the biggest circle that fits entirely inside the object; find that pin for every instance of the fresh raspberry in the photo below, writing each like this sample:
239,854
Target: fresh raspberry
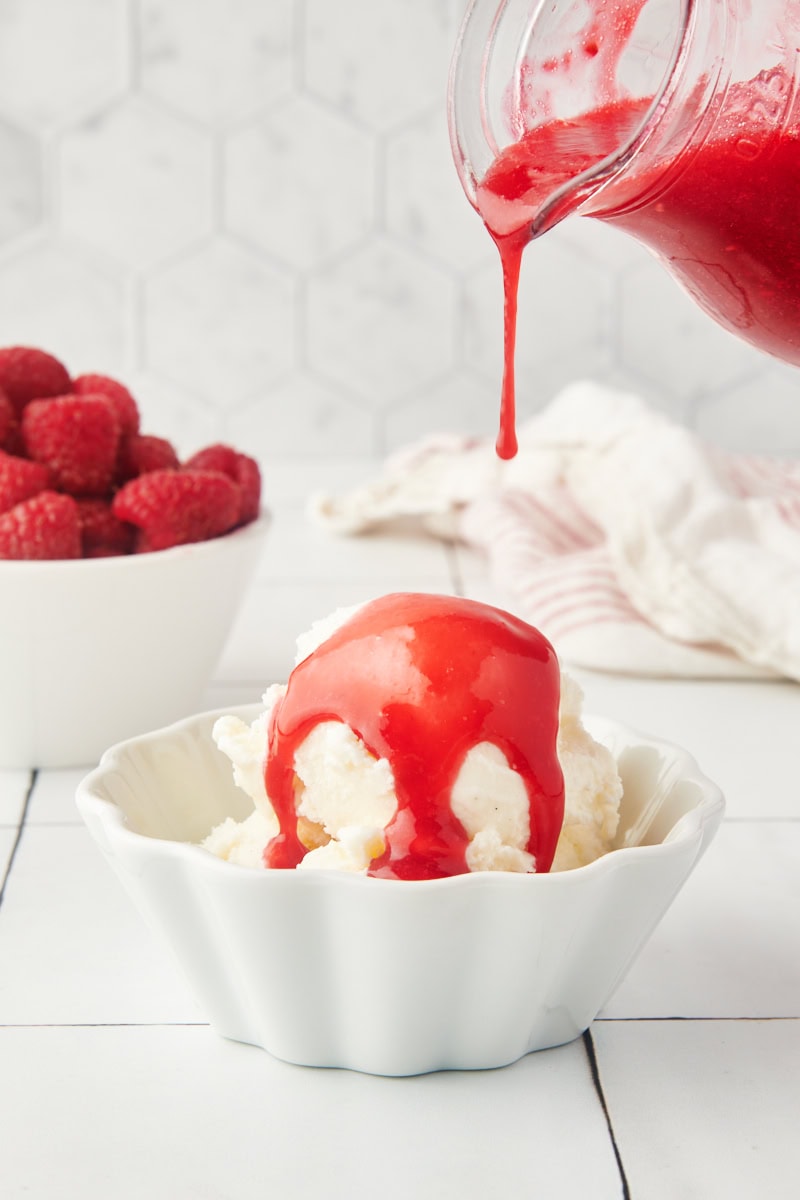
242,470
28,374
20,479
102,534
10,435
173,507
120,398
46,526
248,476
77,438
142,453
218,457
14,444
8,418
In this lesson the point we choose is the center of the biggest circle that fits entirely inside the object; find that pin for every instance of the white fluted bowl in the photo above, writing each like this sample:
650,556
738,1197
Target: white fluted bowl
383,976
96,650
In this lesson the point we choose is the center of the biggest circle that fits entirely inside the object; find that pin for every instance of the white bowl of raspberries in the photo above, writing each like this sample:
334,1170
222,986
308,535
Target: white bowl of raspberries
121,567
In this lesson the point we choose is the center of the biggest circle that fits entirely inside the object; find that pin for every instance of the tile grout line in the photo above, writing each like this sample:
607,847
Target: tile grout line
105,1025
598,1087
18,838
44,823
676,1017
598,1020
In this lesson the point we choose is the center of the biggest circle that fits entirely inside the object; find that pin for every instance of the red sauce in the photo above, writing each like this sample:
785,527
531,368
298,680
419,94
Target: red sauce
723,219
511,192
511,247
421,679
727,228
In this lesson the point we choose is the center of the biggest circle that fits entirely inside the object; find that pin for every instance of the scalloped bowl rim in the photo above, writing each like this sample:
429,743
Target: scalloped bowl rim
329,969
707,812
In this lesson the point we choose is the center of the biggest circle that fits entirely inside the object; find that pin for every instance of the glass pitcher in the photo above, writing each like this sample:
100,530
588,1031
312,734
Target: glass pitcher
675,120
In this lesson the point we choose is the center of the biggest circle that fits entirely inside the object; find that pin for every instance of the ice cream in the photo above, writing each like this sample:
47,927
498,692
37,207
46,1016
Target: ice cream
420,736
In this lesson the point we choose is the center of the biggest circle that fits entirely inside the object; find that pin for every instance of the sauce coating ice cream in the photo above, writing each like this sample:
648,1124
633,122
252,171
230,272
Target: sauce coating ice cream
419,736
421,679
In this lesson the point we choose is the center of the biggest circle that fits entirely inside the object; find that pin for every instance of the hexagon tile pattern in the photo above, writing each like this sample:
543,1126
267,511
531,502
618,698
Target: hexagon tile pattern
218,61
381,321
136,183
220,322
278,183
250,211
62,60
21,183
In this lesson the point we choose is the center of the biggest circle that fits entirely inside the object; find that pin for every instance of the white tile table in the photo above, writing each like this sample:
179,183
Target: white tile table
687,1087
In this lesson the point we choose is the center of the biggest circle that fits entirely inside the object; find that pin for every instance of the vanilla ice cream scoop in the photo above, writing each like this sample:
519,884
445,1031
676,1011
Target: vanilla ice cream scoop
420,736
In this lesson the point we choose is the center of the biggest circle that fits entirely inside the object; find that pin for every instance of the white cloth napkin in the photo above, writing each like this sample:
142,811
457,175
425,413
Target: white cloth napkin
632,545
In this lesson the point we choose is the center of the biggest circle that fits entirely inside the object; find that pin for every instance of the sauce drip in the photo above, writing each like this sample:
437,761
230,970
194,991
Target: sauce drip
421,679
510,195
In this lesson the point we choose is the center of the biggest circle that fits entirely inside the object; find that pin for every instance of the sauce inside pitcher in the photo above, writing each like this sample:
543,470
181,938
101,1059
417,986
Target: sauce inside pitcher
717,204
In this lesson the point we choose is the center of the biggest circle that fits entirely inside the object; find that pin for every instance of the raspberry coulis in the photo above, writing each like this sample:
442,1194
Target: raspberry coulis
518,182
421,679
723,218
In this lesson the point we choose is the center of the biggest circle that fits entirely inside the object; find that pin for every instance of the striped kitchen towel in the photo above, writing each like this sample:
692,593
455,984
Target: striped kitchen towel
629,542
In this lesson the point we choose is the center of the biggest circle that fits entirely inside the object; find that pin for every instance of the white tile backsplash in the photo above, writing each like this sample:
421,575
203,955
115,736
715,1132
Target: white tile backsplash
62,297
300,183
750,415
218,61
381,63
62,60
136,183
21,183
303,415
381,321
221,322
423,202
245,207
666,338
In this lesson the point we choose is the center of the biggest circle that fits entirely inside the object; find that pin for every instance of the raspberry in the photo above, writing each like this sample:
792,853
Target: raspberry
28,374
142,453
69,444
242,470
102,534
10,435
172,507
214,458
249,479
46,526
77,438
8,418
118,396
20,479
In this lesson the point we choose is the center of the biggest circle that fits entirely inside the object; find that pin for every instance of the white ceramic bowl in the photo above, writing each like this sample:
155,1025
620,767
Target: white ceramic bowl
383,976
96,650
